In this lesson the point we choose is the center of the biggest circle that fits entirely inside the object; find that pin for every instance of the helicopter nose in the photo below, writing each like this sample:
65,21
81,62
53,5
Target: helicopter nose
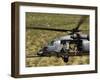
40,52
43,51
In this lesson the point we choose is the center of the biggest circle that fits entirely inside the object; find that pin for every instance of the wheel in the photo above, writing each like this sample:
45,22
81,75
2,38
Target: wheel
65,58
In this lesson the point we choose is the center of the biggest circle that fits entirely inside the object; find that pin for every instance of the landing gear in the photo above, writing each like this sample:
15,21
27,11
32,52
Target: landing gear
63,50
65,58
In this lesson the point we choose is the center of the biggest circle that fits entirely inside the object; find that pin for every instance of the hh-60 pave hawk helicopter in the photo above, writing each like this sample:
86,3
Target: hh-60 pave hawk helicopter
62,46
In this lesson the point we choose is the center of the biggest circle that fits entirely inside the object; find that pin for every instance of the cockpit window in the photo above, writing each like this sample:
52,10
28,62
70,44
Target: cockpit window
51,43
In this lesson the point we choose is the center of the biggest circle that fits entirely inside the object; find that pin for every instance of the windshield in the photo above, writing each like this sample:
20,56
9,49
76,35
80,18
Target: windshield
51,43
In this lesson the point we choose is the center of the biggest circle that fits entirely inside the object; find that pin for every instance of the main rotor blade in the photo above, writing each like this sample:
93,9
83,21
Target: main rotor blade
51,29
82,19
72,32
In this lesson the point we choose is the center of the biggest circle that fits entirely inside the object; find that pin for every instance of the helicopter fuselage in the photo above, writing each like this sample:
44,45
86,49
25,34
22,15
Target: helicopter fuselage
63,43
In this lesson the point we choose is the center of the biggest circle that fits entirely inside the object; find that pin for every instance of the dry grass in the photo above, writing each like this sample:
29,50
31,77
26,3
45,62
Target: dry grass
36,39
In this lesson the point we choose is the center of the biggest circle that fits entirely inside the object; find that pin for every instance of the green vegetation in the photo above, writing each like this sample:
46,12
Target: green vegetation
36,39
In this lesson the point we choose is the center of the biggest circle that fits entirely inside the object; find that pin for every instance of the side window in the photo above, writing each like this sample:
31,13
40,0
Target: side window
63,42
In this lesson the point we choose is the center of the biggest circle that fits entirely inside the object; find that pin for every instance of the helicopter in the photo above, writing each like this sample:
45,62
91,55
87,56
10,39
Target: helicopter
62,45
